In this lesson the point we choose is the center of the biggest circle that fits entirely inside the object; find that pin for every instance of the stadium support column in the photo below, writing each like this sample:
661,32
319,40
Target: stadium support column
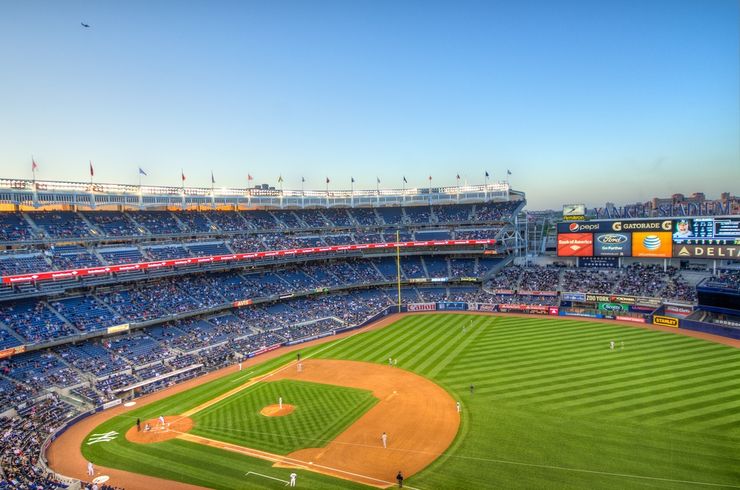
398,267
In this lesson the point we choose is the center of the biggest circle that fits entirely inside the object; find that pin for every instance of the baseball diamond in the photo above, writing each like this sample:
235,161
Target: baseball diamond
553,407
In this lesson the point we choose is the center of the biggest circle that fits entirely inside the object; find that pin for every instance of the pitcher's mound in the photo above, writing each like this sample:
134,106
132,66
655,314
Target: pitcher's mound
276,411
173,426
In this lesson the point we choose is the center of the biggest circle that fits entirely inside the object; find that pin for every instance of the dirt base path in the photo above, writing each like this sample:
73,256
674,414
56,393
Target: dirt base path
419,418
174,425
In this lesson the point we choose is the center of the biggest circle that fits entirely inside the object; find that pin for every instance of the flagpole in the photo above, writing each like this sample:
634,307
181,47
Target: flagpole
352,192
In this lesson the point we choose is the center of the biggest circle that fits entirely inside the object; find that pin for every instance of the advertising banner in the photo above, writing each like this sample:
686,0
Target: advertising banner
649,244
19,349
633,319
537,293
118,328
452,305
553,310
51,275
482,307
575,245
724,252
573,296
584,314
612,307
523,308
422,307
645,225
613,244
678,310
665,321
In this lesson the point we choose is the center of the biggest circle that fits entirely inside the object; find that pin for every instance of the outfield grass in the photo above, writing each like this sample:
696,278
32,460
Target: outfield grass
553,407
321,413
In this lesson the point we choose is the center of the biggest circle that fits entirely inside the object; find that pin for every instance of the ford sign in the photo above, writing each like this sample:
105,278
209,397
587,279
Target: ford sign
612,238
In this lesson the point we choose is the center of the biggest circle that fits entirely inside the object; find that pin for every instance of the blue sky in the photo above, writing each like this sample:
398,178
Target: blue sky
583,101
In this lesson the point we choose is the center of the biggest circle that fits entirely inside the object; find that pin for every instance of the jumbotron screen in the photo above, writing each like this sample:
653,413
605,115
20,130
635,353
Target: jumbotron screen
711,237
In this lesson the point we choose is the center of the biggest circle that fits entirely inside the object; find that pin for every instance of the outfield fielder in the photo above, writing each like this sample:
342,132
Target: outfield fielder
280,402
292,479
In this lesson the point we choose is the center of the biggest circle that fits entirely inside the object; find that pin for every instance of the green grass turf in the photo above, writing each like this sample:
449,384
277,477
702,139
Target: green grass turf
553,408
321,413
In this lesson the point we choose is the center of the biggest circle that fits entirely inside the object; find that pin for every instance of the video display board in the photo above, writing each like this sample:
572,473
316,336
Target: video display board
576,245
707,231
652,244
613,244
706,237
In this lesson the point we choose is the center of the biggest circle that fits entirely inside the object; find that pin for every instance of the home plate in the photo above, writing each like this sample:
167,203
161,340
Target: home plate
129,404
101,479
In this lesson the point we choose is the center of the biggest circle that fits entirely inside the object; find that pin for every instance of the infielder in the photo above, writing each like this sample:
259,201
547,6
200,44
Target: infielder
161,420
384,440
90,469
458,407
280,402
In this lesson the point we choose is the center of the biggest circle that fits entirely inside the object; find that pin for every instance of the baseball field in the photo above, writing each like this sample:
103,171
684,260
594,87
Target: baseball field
545,404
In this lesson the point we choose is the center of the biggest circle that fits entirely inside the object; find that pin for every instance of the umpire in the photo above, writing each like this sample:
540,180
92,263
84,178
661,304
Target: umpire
399,477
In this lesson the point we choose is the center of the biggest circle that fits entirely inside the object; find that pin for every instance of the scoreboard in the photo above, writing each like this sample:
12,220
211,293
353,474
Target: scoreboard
706,237
707,231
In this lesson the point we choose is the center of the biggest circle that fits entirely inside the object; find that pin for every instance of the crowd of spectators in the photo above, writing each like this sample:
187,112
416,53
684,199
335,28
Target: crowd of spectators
20,444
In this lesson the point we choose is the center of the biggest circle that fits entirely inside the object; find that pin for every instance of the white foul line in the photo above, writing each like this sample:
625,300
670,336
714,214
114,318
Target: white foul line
266,476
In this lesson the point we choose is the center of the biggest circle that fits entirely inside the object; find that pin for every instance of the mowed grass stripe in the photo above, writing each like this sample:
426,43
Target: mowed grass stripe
372,346
539,390
451,343
551,393
321,411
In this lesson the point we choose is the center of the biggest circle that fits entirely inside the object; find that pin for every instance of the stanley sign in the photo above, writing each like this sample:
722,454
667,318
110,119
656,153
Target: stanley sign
665,321
724,252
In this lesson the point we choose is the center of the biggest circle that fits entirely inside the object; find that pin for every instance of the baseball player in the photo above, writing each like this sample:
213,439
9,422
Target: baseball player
90,469
611,345
280,402
161,420
384,440
459,409
292,479
240,366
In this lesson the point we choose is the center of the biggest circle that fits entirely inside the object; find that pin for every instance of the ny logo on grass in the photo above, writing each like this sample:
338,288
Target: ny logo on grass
106,437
